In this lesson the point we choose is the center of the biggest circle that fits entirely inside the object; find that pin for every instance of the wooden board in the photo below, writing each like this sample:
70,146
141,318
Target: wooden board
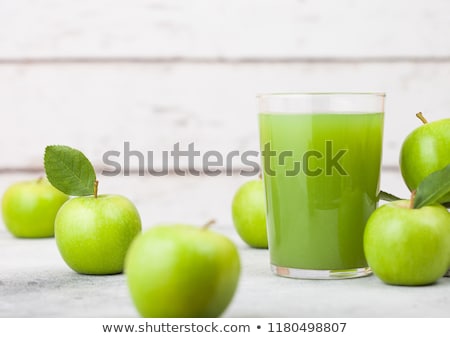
96,74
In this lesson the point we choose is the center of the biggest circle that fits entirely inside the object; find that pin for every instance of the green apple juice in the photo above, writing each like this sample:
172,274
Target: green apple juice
321,175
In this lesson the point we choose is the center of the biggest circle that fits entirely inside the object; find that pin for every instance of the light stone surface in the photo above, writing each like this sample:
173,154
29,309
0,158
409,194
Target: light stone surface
35,282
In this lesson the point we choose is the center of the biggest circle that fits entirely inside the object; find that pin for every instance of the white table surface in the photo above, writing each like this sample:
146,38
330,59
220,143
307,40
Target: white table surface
35,282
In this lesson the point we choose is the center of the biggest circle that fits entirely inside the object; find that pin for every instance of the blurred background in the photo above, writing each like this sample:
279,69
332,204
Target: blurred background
94,74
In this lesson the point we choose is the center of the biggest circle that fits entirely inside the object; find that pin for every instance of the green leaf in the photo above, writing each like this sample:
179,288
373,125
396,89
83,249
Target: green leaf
385,196
433,189
69,171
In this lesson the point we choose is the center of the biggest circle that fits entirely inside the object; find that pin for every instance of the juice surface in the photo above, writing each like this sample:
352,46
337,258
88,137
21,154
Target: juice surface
322,190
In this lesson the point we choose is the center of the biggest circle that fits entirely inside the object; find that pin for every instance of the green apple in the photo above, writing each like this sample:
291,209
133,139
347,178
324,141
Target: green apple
182,271
424,151
93,233
29,208
249,214
405,246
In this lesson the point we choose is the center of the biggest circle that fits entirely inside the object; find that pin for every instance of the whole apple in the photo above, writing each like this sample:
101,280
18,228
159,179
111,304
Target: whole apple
405,246
93,233
29,208
249,214
424,151
182,271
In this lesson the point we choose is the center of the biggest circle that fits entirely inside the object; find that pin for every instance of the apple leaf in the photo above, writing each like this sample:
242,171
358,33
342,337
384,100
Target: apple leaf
433,188
385,196
69,171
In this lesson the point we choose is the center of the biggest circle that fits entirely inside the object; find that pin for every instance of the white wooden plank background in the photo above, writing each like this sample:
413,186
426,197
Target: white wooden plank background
94,74
225,28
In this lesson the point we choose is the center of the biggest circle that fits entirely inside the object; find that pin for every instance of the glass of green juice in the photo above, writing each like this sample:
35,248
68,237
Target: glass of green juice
321,158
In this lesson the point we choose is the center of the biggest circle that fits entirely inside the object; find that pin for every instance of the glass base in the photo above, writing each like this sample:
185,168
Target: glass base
320,274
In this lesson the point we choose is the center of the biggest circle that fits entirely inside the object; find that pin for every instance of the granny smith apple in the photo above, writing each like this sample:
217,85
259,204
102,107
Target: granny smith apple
249,214
405,246
93,233
29,208
182,271
424,151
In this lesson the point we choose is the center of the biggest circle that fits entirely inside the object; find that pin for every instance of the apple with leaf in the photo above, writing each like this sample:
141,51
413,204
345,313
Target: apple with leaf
407,242
92,231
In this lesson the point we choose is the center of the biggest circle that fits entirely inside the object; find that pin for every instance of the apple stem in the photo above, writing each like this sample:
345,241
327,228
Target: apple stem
96,188
411,201
208,224
422,118
260,176
40,179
